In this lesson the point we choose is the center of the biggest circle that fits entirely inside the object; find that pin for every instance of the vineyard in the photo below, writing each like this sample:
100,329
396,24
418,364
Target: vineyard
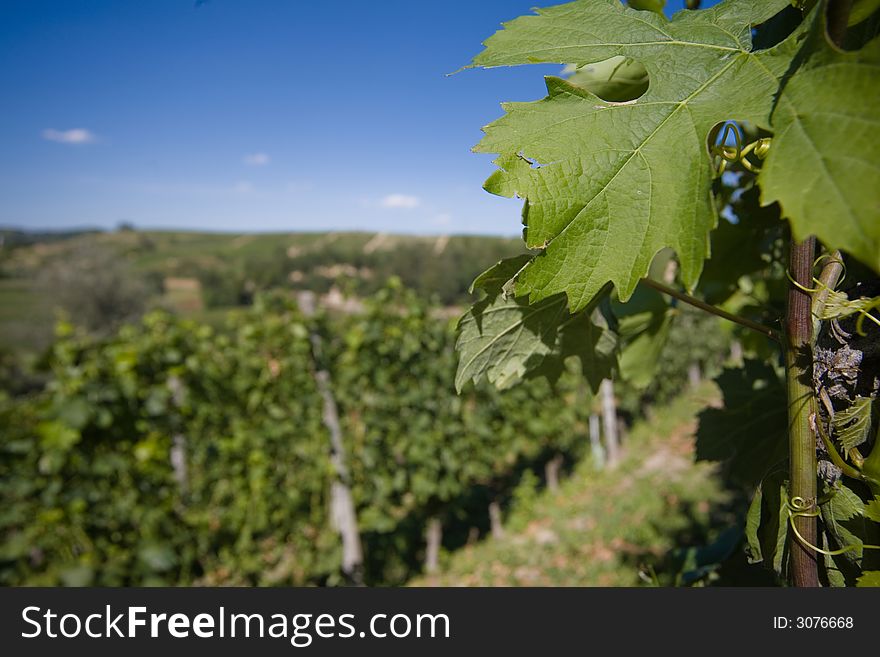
697,281
176,453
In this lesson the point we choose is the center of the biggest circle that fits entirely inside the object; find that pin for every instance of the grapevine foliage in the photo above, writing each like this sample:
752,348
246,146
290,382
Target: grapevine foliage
822,168
607,185
505,337
602,193
714,136
176,453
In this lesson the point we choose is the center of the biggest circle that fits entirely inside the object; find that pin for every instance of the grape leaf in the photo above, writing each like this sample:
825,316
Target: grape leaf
496,277
607,185
590,338
872,510
869,578
852,425
824,167
505,339
842,506
641,356
839,305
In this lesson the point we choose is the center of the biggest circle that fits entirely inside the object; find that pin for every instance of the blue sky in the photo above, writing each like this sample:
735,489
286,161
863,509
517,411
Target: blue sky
262,115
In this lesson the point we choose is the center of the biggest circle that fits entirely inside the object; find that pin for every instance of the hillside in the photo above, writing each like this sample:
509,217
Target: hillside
202,274
658,518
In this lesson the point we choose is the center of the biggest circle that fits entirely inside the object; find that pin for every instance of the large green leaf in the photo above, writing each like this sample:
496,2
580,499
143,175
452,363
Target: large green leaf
504,338
607,185
824,163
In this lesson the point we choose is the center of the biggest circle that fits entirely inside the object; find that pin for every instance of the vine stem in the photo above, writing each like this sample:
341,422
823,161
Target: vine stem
766,331
799,369
801,407
828,279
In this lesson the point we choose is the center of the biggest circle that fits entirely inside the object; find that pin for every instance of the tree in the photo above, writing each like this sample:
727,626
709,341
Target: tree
96,287
743,154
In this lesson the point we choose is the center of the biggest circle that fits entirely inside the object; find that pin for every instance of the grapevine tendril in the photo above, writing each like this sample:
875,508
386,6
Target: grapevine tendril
836,458
737,152
863,312
799,507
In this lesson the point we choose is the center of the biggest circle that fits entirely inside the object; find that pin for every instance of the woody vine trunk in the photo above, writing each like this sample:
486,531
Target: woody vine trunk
801,405
799,367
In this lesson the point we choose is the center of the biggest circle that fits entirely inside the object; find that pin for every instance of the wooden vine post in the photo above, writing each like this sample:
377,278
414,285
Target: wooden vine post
342,510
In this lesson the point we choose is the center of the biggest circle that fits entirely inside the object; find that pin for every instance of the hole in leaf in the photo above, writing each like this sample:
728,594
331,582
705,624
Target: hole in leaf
617,80
532,162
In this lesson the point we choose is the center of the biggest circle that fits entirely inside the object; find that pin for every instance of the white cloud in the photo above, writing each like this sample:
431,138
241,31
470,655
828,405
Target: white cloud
243,187
73,136
400,201
299,186
256,159
442,219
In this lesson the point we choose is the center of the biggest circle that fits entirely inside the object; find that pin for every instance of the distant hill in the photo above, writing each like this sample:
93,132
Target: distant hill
201,273
17,237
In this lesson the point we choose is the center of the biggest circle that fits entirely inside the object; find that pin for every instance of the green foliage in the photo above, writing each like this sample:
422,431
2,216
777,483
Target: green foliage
601,198
848,527
596,173
699,563
869,578
393,375
644,325
746,111
96,287
746,249
176,453
416,448
503,337
695,338
605,528
852,425
93,497
821,167
230,269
